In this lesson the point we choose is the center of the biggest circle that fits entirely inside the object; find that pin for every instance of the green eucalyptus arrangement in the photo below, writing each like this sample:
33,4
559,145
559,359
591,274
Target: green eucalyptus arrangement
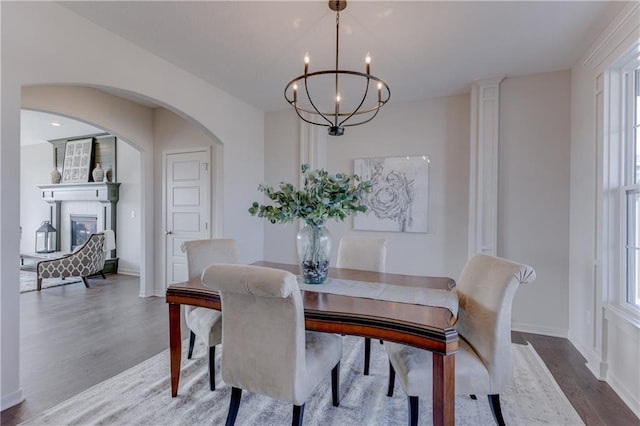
322,196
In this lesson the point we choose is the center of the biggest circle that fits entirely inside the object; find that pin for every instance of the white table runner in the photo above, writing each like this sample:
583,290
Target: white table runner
392,293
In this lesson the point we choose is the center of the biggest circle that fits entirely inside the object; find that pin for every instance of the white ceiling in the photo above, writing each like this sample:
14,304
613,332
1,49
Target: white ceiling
421,49
36,127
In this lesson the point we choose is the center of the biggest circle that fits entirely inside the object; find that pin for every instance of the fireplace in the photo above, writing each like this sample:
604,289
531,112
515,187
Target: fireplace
82,226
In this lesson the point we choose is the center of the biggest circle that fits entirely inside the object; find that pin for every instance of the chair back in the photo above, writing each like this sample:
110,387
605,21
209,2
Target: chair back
92,255
485,290
263,335
202,253
366,254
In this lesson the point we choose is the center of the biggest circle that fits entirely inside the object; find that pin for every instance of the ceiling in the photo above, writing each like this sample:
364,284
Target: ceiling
422,49
36,127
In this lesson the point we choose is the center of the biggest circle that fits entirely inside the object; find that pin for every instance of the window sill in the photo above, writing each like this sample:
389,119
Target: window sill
623,313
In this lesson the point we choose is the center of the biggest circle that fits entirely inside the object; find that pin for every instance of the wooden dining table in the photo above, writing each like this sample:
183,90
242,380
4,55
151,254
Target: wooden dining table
425,327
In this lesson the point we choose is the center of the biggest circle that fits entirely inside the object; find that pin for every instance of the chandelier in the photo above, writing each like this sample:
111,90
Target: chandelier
361,104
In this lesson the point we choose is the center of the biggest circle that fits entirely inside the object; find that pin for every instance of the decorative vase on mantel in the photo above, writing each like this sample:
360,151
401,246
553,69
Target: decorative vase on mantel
314,252
97,173
56,177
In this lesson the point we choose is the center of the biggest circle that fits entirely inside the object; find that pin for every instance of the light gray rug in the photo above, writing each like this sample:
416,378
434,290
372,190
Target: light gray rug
28,281
142,396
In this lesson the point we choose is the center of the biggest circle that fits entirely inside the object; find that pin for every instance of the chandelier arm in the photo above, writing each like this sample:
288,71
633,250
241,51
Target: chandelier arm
368,120
306,88
366,92
307,120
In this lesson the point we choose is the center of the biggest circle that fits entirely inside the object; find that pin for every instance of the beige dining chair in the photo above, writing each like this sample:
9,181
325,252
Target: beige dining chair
265,346
366,254
483,363
202,322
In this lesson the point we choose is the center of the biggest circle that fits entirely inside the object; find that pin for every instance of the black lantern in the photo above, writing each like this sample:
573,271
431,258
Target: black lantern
46,238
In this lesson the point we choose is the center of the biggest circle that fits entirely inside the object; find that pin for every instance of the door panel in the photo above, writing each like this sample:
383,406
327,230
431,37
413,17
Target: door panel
187,209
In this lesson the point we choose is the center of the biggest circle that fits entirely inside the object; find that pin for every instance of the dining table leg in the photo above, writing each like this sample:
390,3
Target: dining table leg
443,389
175,346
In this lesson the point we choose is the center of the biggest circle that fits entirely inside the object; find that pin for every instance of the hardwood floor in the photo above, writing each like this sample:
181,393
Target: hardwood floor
73,338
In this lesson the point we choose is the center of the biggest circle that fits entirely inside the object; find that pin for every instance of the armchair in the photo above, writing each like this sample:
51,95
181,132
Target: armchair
87,260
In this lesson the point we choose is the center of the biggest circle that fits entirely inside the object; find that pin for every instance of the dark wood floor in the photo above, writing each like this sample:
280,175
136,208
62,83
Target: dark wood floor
73,338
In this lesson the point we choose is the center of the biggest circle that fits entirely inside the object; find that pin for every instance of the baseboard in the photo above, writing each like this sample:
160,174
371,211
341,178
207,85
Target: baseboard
12,399
593,359
537,329
632,401
129,272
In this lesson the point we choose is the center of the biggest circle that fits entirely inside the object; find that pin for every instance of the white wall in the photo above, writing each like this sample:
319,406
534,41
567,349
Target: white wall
36,165
533,195
533,186
608,340
435,127
129,209
44,43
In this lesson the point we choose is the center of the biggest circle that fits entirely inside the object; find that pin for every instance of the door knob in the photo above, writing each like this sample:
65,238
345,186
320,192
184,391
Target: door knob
168,232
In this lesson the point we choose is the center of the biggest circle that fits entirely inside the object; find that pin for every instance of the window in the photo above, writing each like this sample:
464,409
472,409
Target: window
631,180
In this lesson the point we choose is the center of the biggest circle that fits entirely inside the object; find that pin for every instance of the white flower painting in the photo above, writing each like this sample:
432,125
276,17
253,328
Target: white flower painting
398,201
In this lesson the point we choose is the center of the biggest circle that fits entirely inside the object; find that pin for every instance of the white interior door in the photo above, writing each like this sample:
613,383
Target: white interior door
187,206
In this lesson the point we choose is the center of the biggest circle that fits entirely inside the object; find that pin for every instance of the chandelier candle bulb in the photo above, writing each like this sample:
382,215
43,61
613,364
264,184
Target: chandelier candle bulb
306,63
367,61
295,93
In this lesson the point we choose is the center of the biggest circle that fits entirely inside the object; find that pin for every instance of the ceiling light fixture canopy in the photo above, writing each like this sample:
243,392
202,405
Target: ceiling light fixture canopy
359,111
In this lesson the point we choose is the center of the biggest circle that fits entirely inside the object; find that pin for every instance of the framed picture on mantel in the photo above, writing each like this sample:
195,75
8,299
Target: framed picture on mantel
77,160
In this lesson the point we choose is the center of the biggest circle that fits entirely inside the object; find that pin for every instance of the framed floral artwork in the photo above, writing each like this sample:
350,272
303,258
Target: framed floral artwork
399,200
77,160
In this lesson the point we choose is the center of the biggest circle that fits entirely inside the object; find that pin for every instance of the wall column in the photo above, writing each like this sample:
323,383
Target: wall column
313,146
483,167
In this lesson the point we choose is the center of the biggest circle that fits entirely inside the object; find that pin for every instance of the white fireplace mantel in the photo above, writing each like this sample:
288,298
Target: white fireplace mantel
101,191
106,194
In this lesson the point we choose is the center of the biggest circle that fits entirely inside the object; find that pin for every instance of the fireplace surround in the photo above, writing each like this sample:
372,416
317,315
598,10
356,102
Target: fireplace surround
101,200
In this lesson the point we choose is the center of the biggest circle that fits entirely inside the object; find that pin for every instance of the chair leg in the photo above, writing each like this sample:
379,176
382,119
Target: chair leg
212,371
192,341
413,410
494,402
392,379
335,385
103,276
236,394
473,397
367,355
85,281
298,414
382,342
39,283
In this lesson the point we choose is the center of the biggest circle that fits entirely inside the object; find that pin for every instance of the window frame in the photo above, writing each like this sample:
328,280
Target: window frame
620,132
630,162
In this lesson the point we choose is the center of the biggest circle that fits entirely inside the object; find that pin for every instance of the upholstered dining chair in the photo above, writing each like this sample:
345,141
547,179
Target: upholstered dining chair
484,361
265,348
367,254
202,322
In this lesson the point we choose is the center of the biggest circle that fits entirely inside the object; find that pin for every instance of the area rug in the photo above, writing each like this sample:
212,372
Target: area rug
28,281
142,396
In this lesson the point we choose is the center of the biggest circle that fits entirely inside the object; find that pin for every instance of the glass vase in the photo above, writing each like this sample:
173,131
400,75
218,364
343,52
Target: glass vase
314,252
